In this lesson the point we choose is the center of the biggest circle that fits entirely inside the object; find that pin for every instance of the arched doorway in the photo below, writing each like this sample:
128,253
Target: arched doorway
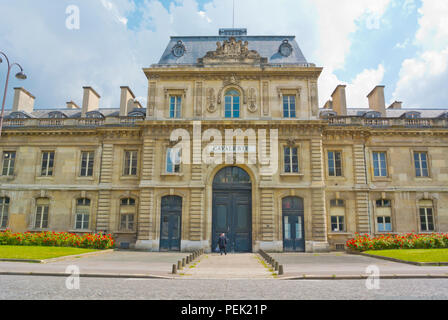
170,223
232,209
293,224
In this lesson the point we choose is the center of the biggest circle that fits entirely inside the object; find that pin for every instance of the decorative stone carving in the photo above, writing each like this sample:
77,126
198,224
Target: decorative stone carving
211,100
291,142
232,51
252,99
314,99
234,81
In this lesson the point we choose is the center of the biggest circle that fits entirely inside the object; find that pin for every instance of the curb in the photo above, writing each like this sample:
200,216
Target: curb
86,275
421,264
363,277
59,258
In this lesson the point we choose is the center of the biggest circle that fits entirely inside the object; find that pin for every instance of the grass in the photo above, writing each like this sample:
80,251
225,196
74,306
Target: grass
415,255
39,253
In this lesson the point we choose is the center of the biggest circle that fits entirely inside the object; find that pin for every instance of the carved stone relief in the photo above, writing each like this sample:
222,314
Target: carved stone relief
252,107
211,100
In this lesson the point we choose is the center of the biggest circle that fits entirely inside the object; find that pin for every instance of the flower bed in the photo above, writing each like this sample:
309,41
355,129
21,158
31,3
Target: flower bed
57,239
400,241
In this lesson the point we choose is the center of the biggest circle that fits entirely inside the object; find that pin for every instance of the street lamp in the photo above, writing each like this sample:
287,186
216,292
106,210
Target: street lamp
20,76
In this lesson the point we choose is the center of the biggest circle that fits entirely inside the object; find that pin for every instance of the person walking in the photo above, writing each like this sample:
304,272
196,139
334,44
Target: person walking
222,243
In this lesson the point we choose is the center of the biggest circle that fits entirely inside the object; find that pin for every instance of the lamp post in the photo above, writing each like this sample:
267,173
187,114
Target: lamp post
20,76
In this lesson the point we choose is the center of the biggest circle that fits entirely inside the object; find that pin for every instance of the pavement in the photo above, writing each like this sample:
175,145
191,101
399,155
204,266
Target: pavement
230,266
130,264
341,264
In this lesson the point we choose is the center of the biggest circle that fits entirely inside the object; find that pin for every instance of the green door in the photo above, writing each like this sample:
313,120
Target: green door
232,209
170,223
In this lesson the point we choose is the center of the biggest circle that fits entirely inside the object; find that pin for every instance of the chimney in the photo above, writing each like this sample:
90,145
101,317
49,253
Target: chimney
72,105
328,105
126,101
339,100
396,105
377,101
90,101
23,100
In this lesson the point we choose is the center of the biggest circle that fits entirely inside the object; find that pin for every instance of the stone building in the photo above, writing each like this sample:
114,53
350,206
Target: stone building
319,175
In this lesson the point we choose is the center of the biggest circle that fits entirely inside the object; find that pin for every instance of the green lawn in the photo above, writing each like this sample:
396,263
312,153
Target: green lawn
39,253
415,255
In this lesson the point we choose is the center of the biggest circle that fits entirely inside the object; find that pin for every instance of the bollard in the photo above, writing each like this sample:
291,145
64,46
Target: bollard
183,262
280,269
276,266
179,265
273,262
174,269
188,260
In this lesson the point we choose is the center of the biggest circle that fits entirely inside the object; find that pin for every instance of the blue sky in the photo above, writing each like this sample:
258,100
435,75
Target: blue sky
402,44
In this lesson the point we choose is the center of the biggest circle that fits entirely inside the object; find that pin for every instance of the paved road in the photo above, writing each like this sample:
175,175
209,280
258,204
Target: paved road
230,266
32,287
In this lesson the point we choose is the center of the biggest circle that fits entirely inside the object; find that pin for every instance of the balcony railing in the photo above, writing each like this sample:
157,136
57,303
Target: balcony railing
388,122
72,122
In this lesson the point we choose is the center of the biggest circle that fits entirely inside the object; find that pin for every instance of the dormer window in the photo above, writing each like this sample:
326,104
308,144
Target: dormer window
56,115
372,114
18,115
136,114
411,115
328,114
94,114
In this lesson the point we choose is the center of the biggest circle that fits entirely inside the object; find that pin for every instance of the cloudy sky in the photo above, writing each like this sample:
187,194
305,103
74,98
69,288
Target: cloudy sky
402,44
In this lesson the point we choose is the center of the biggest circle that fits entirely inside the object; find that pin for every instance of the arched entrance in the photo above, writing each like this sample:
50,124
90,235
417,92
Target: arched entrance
170,223
232,209
293,226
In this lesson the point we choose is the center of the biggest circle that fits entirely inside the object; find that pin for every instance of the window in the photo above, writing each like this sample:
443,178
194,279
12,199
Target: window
379,164
127,214
291,160
289,106
175,106
383,215
47,163
384,224
87,158
42,208
173,157
337,215
421,164
232,104
130,163
4,211
82,214
9,159
426,215
334,163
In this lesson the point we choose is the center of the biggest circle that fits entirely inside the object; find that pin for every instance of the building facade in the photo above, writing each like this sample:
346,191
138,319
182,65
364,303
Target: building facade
231,140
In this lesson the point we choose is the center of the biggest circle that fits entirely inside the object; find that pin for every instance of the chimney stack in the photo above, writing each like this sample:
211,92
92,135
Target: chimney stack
23,100
126,101
90,101
377,101
339,100
137,104
328,105
396,105
72,105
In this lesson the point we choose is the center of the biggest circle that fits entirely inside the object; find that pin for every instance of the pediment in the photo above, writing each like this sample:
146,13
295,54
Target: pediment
232,52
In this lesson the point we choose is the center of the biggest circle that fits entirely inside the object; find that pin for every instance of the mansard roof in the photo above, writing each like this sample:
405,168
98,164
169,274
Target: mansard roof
197,47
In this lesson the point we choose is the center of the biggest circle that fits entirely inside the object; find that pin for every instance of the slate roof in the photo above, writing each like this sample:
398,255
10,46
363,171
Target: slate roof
266,46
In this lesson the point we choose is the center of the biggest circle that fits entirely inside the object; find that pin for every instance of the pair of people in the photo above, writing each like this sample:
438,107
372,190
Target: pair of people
222,244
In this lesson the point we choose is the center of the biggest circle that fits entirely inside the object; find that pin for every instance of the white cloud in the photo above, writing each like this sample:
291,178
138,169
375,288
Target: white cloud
106,54
422,79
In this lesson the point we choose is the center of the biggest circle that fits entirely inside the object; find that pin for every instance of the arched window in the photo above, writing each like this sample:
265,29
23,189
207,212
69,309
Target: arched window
411,115
56,115
42,213
127,214
232,103
94,114
4,212
82,214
